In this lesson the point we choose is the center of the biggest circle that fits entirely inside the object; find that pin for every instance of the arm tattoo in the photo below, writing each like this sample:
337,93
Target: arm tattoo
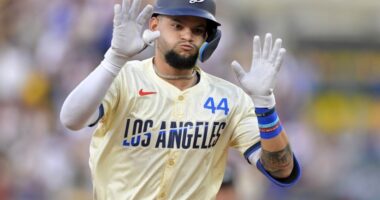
278,160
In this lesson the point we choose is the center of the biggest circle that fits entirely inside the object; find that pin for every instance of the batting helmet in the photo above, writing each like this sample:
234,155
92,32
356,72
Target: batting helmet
197,8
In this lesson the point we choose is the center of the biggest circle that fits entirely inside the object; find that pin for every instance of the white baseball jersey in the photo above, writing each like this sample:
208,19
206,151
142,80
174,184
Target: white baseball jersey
155,141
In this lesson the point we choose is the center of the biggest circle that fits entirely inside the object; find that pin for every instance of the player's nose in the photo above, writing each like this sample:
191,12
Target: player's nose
187,34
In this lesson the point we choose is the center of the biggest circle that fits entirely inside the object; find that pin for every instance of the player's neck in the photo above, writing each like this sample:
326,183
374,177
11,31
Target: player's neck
182,79
181,76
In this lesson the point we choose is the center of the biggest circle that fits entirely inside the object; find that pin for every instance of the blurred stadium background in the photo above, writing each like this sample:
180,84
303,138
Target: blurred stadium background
327,93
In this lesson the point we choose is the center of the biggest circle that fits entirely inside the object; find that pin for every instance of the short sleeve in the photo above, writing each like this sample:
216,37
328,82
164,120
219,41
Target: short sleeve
111,99
245,136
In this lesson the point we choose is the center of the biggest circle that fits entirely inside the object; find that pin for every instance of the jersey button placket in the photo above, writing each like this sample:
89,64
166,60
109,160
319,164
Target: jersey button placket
179,107
171,162
172,158
162,195
168,174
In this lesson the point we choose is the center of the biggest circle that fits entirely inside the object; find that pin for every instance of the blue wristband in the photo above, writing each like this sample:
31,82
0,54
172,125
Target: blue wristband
269,123
272,134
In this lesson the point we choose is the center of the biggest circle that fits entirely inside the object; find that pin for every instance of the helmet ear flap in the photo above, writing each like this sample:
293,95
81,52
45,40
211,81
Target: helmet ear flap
209,46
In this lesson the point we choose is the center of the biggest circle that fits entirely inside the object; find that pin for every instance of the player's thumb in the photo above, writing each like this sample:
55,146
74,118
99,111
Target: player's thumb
150,36
238,69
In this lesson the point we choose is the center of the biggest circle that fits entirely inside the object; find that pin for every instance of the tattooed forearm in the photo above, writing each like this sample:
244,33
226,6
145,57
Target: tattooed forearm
276,162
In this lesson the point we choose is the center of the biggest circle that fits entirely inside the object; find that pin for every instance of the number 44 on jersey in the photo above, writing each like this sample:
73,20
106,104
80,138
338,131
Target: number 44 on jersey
222,105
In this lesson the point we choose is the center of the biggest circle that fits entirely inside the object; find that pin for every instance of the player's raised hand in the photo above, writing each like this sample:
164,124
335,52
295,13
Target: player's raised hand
260,80
128,38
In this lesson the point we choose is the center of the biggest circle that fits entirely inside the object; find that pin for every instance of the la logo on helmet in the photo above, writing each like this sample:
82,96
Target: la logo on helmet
196,1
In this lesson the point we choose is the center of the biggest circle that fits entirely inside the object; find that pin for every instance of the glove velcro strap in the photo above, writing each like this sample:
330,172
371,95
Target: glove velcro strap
114,70
264,101
115,58
269,123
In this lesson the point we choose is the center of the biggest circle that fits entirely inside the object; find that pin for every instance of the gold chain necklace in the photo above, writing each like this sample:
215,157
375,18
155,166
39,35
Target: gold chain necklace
174,77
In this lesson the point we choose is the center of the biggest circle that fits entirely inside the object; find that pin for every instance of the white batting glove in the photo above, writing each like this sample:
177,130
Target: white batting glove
260,81
127,38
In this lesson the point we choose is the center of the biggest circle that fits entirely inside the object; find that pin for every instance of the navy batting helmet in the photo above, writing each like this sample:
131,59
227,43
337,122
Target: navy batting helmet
197,8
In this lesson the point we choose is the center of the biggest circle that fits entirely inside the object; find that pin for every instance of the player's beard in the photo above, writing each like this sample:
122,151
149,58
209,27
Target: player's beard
181,62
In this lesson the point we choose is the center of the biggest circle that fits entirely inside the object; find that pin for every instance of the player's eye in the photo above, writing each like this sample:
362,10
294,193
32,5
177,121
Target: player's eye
200,31
177,26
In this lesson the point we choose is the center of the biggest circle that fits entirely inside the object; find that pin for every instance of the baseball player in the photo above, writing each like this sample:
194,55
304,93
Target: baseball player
163,125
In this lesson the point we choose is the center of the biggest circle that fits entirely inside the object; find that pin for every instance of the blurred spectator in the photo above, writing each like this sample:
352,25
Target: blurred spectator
6,185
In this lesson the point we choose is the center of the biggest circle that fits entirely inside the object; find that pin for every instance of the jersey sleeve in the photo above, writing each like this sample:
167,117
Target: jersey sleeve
245,136
110,101
118,96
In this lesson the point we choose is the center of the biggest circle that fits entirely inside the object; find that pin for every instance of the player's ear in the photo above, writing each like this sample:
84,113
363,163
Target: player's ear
205,36
153,23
